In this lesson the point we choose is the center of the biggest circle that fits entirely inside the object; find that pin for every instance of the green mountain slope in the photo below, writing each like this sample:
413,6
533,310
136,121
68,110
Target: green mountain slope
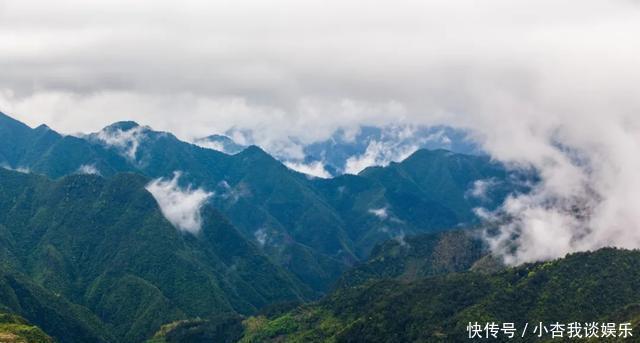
584,287
219,329
65,321
417,257
15,329
104,244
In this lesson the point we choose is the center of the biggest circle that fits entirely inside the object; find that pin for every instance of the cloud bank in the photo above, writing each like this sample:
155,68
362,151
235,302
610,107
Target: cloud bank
181,206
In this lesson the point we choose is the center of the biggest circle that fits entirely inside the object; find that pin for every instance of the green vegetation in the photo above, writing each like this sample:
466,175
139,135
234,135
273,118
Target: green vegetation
15,329
93,259
416,257
578,288
219,329
314,228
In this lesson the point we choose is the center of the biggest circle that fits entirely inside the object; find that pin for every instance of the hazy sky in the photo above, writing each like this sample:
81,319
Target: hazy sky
548,83
284,66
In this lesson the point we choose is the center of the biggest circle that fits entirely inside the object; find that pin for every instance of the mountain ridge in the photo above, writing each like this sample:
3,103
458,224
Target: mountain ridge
329,222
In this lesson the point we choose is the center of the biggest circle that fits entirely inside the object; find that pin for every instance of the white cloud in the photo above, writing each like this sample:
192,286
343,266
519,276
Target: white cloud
261,236
379,154
217,146
381,213
125,141
315,169
232,194
400,238
88,169
22,170
181,206
439,137
480,188
586,155
397,235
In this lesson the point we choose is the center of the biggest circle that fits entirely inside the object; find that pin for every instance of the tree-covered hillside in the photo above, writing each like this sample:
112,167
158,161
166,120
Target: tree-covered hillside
15,329
582,288
105,253
417,257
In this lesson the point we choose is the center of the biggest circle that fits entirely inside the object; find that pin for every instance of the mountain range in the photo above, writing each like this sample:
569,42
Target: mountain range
329,223
108,236
350,151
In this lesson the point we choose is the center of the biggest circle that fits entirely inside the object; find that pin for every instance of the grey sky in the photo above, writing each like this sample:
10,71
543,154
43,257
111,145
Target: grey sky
78,65
524,75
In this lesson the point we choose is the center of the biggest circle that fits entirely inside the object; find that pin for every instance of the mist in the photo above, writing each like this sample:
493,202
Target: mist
180,206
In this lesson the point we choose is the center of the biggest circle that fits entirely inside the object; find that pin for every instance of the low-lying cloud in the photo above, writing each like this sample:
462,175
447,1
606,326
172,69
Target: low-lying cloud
378,154
381,213
89,169
480,189
586,155
180,205
125,141
314,169
22,170
262,236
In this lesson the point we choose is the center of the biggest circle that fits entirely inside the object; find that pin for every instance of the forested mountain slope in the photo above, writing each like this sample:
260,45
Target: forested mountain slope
315,228
587,287
103,246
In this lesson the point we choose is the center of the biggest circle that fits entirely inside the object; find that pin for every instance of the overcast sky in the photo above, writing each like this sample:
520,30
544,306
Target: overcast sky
548,83
200,66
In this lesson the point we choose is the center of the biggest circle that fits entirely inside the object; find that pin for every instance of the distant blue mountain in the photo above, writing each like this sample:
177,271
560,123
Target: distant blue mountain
380,146
345,152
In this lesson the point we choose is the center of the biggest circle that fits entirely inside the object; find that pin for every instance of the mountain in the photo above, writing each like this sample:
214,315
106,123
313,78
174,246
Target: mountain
314,228
412,259
218,329
89,252
42,150
420,256
14,328
112,263
349,151
252,201
574,289
59,317
431,190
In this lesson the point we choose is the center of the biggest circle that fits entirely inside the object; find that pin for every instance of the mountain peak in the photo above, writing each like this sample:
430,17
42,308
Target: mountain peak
122,125
254,150
43,127
255,153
